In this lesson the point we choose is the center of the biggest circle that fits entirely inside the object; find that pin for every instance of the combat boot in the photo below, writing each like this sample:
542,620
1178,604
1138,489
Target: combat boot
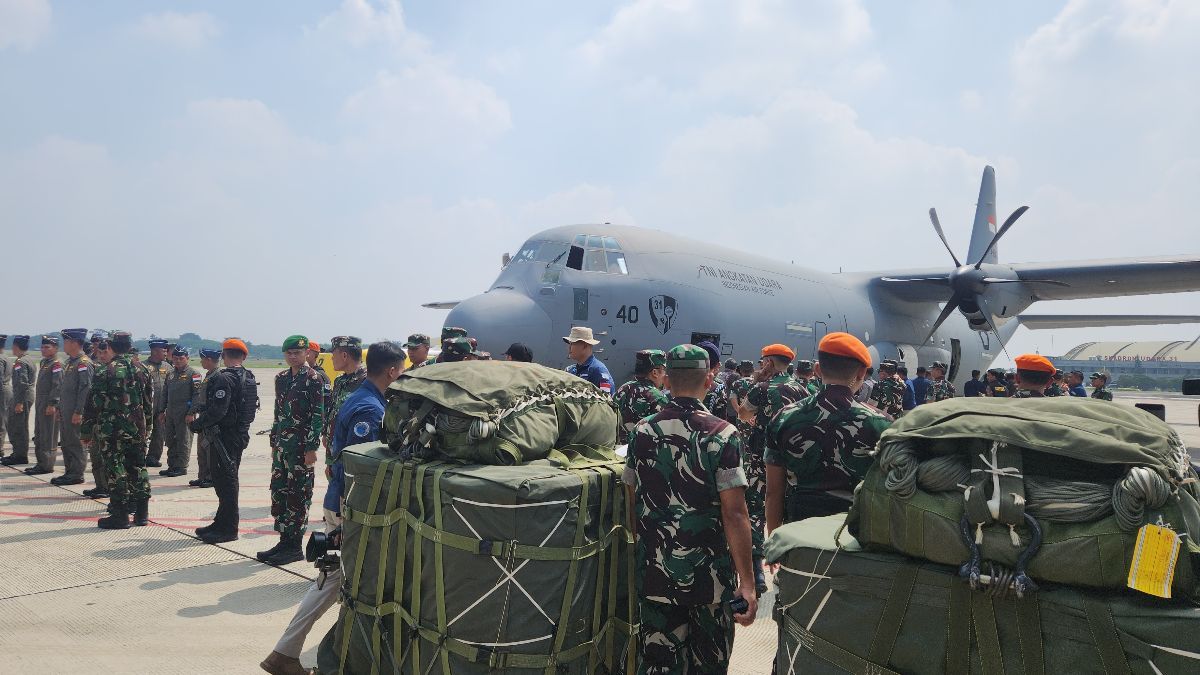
264,555
118,518
95,493
278,664
13,460
289,552
141,515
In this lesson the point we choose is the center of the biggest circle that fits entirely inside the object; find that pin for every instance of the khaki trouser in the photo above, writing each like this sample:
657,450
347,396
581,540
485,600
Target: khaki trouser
18,433
178,440
316,602
45,439
74,459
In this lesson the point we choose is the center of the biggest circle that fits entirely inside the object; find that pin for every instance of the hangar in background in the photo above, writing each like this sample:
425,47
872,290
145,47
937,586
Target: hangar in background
1160,360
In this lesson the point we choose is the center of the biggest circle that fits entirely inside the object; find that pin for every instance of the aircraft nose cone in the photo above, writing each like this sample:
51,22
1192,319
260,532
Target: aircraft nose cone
498,318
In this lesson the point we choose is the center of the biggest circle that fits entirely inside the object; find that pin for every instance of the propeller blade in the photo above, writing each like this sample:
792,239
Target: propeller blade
1052,282
950,308
894,280
1000,233
937,227
987,314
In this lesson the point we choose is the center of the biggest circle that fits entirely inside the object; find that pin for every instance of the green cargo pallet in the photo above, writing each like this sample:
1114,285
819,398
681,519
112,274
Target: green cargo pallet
454,568
851,611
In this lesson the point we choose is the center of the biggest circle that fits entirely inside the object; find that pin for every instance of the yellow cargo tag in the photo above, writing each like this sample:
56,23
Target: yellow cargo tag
1154,557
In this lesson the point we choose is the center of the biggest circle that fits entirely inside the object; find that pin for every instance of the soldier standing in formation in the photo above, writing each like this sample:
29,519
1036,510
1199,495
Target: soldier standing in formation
939,388
76,381
180,394
230,403
310,357
418,349
45,411
685,464
347,360
1099,387
295,438
1034,373
888,393
159,370
819,449
118,414
717,399
641,397
5,391
209,361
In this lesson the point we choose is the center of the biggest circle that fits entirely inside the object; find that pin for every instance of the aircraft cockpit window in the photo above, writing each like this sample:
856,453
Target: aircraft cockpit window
551,251
527,252
596,253
616,263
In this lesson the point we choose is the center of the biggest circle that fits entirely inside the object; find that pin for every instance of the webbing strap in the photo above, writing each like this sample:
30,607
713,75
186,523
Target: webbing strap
402,559
1012,486
356,580
393,489
851,663
564,614
439,578
494,548
1104,634
894,610
987,634
598,599
1029,625
958,629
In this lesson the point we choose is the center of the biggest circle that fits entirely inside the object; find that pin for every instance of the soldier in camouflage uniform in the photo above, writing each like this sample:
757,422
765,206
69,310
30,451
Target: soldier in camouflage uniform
717,399
1056,385
449,333
417,347
347,359
888,393
818,449
295,438
684,479
805,377
310,357
116,417
1099,387
159,370
940,388
641,397
1033,376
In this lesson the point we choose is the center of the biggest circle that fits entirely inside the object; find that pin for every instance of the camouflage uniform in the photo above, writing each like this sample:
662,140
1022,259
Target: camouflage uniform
678,462
888,395
1102,394
116,418
636,400
939,390
343,386
767,398
1025,393
823,442
1055,389
299,413
717,399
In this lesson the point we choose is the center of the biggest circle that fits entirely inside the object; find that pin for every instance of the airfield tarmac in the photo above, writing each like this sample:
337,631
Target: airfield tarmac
156,600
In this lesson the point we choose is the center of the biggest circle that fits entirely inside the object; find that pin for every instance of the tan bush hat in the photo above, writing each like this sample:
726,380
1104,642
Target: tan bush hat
581,334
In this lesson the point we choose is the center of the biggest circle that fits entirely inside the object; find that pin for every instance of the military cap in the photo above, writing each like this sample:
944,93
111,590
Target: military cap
21,341
295,342
518,351
237,344
180,350
99,334
213,354
654,357
888,364
314,346
348,342
3,340
416,340
714,354
1100,376
845,344
157,343
456,348
122,341
779,350
49,340
453,332
804,366
1034,362
687,357
79,334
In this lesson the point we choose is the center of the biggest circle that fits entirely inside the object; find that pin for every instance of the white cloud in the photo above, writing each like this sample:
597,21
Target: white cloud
23,22
185,31
363,22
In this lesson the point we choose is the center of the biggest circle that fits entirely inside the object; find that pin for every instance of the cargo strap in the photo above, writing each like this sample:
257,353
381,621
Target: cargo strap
958,629
1104,634
987,634
894,610
827,651
492,547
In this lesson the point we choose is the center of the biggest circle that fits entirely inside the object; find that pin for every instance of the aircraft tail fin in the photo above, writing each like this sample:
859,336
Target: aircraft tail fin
984,228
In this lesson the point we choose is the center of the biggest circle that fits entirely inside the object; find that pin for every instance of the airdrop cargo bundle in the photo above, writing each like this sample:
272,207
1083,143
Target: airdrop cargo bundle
495,412
845,610
1032,490
454,568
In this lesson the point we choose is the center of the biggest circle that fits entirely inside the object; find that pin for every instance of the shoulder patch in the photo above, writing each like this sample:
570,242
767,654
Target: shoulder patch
195,377
82,367
362,429
220,394
56,368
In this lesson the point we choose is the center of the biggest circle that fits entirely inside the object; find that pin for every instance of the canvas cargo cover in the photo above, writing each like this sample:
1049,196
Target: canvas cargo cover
454,568
851,611
496,412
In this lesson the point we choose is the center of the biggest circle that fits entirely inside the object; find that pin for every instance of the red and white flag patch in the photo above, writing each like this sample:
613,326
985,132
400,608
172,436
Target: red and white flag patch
56,368
82,368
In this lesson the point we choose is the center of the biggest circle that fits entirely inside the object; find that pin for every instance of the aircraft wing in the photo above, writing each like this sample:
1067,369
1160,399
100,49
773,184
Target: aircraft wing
922,285
1110,278
1047,321
448,304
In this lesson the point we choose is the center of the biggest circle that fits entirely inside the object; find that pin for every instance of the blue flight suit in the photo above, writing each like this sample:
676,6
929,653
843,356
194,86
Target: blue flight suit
359,420
920,387
593,370
910,395
1078,390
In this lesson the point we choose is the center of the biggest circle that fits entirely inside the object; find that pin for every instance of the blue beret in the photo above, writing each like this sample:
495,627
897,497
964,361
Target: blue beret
210,353
158,344
49,340
180,350
75,334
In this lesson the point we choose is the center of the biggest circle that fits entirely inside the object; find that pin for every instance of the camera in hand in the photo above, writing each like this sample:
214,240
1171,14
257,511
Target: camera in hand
739,605
320,544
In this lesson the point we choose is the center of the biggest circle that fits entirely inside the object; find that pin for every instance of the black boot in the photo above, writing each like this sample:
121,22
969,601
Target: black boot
141,514
760,579
204,529
289,552
263,555
118,518
13,460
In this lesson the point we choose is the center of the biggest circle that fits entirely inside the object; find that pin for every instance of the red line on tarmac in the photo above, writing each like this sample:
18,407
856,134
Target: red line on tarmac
160,522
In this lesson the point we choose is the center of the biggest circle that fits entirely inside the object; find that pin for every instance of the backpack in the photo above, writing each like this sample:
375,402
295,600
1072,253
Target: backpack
245,401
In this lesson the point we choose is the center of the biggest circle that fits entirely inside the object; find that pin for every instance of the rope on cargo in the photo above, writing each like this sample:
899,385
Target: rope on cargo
1051,499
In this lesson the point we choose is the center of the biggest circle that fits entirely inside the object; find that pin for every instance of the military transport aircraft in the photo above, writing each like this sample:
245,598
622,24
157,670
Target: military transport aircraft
639,288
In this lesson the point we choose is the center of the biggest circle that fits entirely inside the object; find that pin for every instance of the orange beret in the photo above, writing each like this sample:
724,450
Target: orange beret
314,346
845,344
1034,362
234,343
779,350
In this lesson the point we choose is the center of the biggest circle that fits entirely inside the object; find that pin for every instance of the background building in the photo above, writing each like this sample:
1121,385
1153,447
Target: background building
1136,364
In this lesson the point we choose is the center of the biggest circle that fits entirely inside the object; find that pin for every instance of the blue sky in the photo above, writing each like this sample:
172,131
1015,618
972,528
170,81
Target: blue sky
269,168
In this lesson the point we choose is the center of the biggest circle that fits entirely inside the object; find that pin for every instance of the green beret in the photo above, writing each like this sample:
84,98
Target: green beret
453,332
295,342
655,357
687,357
